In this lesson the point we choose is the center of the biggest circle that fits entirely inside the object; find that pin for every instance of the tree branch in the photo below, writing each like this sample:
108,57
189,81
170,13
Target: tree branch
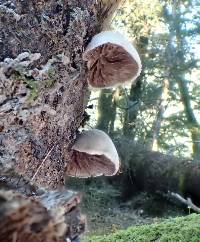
187,201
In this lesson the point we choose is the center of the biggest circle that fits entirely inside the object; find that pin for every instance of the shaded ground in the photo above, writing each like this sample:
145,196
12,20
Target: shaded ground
106,212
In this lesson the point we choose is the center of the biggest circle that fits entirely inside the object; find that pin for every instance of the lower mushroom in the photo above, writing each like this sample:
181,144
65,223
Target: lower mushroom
94,154
84,165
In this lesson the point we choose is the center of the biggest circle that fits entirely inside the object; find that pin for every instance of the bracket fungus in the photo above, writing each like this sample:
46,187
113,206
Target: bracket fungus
94,154
111,60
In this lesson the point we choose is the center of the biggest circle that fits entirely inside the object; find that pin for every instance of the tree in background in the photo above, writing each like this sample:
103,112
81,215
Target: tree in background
182,20
160,109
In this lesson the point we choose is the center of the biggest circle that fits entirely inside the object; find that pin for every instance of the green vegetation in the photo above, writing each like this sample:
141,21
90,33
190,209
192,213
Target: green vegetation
32,85
161,109
160,112
182,229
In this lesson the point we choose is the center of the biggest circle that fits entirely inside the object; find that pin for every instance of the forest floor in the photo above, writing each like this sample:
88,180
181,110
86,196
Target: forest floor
107,213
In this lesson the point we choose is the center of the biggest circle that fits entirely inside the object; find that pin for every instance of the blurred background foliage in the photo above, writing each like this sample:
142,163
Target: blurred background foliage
162,109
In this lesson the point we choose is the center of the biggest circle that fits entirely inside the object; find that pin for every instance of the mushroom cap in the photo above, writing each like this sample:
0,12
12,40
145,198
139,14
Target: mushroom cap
112,60
94,154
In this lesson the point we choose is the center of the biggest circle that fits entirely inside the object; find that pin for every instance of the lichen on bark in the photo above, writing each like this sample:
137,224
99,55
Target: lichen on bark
43,88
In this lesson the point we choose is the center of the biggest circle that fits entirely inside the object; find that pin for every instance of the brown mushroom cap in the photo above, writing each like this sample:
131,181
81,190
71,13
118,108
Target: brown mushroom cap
111,60
94,154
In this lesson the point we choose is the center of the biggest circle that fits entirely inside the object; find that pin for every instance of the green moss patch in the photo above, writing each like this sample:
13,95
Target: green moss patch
180,229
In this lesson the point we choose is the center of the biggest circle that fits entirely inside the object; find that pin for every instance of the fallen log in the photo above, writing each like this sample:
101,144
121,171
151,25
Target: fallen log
154,172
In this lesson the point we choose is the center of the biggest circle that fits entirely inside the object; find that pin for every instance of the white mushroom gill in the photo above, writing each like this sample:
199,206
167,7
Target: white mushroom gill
112,60
94,155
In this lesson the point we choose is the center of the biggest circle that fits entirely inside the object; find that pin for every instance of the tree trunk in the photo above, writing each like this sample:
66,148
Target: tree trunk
179,68
43,90
135,95
131,112
106,111
43,84
159,117
43,94
192,122
151,171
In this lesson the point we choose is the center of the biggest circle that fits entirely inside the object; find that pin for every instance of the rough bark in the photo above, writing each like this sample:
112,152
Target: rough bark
43,84
154,172
43,94
51,217
43,81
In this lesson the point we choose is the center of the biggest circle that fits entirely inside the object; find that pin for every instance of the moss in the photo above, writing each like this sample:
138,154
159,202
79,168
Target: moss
33,86
30,84
181,229
48,83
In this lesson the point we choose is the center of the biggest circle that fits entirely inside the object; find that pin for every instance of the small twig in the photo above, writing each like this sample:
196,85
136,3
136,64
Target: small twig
43,162
187,201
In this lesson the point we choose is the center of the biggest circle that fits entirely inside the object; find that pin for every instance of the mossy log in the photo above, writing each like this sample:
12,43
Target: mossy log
154,172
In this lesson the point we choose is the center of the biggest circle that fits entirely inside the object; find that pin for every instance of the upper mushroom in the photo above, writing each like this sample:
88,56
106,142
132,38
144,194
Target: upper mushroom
111,60
94,154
